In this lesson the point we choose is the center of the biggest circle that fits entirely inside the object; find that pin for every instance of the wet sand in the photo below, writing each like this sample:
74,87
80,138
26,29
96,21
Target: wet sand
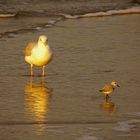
67,105
88,53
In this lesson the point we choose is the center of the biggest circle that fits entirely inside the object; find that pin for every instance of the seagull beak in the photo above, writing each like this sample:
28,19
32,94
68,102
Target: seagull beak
45,43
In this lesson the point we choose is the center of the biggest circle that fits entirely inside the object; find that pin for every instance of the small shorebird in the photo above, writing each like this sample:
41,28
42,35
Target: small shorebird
108,89
38,54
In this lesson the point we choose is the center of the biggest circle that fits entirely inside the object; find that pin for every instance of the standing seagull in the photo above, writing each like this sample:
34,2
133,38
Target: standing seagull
38,54
108,89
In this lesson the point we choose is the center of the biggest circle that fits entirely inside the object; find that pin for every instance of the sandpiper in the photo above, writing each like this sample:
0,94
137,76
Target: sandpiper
38,54
108,89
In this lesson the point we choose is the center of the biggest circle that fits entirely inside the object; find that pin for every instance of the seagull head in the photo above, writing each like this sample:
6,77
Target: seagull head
43,39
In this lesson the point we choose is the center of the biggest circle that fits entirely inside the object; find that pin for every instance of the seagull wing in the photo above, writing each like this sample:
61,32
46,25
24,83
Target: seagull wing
28,49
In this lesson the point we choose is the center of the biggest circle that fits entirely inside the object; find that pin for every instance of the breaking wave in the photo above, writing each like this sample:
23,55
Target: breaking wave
60,17
133,10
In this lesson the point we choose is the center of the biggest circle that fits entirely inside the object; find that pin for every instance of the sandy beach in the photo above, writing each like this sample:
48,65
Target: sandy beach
88,53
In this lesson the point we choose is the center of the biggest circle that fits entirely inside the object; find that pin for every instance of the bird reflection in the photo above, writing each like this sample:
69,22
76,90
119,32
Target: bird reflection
108,106
36,102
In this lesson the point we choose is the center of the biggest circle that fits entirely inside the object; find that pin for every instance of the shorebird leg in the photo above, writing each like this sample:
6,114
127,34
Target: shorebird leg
32,70
43,71
107,97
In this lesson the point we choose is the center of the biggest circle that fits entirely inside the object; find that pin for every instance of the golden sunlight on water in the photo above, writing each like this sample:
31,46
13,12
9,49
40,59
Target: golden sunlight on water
37,102
109,106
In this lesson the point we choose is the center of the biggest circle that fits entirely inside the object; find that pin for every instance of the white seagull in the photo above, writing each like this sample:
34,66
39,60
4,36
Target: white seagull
38,54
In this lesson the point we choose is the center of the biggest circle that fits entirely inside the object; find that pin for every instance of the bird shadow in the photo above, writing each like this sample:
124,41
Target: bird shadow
108,106
37,99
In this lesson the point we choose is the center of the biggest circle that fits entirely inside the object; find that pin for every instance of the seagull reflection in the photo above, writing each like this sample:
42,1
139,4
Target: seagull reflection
108,106
36,102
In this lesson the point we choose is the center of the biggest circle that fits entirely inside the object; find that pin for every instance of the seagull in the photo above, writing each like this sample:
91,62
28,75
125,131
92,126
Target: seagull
38,54
108,89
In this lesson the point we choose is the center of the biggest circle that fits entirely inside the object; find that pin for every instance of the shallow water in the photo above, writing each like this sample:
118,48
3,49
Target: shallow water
66,104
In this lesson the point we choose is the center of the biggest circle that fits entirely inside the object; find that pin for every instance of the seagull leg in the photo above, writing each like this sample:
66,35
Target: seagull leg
43,71
31,82
32,70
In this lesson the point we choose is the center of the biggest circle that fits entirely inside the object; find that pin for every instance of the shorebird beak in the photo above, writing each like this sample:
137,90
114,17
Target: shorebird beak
118,85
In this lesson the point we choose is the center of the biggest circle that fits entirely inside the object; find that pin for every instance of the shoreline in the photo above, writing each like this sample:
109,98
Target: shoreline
132,10
58,11
59,17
